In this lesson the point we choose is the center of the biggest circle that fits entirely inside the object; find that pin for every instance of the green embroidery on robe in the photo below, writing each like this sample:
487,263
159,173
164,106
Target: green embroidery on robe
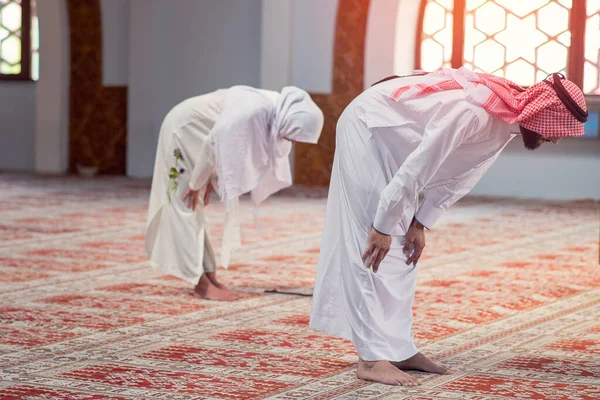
174,174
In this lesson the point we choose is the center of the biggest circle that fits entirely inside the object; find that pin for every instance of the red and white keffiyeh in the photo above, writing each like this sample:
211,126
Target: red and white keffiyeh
537,108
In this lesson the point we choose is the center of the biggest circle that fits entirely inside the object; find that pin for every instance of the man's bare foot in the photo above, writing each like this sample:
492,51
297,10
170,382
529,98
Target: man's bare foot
205,289
419,362
384,372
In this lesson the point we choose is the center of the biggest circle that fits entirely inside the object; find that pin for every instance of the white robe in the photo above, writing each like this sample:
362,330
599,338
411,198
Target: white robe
386,154
176,239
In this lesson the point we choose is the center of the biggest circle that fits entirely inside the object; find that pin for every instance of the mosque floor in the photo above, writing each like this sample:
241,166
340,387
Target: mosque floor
508,297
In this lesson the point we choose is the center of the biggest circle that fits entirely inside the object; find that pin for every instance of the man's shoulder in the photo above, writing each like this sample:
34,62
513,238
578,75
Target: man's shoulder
480,113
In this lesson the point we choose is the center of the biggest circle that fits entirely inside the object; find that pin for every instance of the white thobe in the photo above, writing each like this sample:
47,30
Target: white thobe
176,239
386,154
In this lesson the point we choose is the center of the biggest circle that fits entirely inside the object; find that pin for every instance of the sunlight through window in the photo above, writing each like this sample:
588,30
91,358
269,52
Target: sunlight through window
522,40
19,57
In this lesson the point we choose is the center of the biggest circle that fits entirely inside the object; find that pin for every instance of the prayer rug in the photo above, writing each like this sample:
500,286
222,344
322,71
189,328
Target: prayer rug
508,297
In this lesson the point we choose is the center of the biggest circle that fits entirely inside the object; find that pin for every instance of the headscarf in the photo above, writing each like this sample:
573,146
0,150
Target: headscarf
256,158
554,107
297,118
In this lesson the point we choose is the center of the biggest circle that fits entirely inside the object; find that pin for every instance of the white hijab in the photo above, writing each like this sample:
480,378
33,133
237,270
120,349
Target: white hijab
252,148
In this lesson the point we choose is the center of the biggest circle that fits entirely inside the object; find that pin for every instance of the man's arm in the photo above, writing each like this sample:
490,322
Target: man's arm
439,196
447,129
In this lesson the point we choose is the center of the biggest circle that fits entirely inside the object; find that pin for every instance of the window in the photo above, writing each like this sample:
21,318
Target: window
522,40
591,80
19,40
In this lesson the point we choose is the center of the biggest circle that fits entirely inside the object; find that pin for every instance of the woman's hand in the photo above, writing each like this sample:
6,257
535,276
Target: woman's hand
377,248
192,197
416,237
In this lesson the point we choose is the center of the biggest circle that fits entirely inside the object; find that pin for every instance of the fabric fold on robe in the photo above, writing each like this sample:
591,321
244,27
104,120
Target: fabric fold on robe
248,160
386,154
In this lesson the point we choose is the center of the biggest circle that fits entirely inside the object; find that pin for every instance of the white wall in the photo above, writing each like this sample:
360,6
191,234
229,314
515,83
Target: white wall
52,97
565,171
142,119
390,40
115,42
17,125
406,33
34,115
314,40
51,117
380,40
179,49
277,47
314,35
277,44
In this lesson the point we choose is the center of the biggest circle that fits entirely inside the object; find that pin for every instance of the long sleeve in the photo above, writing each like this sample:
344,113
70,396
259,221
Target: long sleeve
241,150
445,131
439,196
205,165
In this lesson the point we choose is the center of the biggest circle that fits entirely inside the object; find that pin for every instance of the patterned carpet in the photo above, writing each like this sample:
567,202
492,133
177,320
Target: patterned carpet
508,297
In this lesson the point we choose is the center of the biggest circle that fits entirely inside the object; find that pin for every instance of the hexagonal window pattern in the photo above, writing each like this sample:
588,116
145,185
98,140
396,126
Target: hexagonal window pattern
472,37
436,44
552,57
592,37
489,56
447,4
593,7
522,8
521,38
12,37
11,50
524,40
433,55
565,38
8,69
489,18
10,40
591,75
10,15
520,72
444,37
520,28
473,4
435,18
591,80
553,19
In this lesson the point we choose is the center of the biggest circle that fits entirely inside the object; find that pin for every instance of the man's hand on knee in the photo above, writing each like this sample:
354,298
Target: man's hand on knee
377,248
415,239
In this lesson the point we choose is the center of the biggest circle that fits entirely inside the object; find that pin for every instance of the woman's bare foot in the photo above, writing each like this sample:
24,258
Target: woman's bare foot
419,362
205,289
384,372
212,277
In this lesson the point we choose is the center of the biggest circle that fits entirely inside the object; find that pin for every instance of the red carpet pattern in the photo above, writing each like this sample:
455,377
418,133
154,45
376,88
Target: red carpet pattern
508,298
